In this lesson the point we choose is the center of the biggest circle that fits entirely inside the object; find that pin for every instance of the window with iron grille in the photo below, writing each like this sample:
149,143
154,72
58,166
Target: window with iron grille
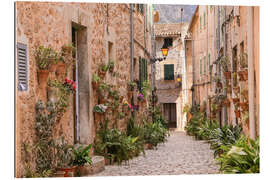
168,71
22,66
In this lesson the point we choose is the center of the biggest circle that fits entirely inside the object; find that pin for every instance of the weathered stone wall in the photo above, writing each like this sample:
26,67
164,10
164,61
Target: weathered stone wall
49,24
205,44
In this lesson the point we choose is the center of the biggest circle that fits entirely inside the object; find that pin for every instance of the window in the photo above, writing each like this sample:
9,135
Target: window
204,64
168,71
143,73
209,60
110,51
204,22
22,66
168,42
200,65
140,8
200,22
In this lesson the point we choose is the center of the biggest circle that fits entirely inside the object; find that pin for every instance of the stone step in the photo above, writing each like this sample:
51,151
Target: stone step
98,165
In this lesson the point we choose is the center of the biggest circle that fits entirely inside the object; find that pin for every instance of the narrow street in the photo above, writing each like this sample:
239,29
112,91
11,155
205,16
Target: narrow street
181,154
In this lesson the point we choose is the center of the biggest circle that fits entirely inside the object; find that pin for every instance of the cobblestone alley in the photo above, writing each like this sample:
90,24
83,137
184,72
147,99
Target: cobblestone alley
181,154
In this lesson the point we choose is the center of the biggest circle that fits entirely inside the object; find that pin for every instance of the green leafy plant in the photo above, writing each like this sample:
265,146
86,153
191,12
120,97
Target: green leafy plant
146,87
243,57
241,157
81,155
225,63
131,85
104,67
100,108
45,57
111,65
95,78
186,108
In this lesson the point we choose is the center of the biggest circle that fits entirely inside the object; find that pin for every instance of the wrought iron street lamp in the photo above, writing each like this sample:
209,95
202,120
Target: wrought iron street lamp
164,51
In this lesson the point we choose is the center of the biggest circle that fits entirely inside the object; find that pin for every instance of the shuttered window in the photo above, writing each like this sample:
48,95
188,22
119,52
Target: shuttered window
143,72
200,66
168,72
22,67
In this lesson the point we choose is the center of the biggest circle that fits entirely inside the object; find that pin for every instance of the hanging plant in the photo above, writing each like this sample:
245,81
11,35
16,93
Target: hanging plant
237,113
244,94
131,85
111,66
235,100
102,70
243,59
140,97
100,108
95,81
243,75
45,57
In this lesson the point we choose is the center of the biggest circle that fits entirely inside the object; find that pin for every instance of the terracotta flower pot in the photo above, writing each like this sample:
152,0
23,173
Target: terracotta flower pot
227,74
61,68
101,74
68,172
236,89
149,146
43,78
53,68
219,84
244,106
226,102
95,85
235,100
243,75
237,113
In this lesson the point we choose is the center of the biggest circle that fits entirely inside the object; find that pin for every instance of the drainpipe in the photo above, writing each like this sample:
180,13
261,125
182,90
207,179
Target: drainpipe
225,50
131,43
193,72
252,126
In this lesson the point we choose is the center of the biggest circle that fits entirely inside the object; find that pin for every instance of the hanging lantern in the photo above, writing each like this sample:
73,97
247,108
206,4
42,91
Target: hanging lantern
179,79
164,51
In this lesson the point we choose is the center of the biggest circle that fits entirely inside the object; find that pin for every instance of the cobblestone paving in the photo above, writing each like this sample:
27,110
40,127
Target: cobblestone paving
181,154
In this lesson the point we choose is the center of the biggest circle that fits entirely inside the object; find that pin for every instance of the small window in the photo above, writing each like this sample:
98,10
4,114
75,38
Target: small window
200,65
22,66
168,72
143,71
200,22
140,8
204,64
204,19
168,42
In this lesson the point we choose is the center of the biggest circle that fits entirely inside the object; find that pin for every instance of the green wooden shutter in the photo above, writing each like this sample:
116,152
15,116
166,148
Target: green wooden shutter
168,72
140,72
200,66
145,70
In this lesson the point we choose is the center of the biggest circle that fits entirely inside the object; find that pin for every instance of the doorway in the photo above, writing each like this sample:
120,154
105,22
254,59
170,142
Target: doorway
170,114
81,77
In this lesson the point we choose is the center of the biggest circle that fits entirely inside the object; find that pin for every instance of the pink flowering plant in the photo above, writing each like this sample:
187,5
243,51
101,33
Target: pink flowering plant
70,85
140,97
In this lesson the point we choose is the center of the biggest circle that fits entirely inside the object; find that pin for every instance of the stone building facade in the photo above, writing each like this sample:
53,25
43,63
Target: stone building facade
171,93
230,35
102,32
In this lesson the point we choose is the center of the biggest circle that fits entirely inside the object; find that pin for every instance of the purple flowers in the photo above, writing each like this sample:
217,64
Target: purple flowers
140,97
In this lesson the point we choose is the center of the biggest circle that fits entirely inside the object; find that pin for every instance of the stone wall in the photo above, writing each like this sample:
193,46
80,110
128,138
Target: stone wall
50,25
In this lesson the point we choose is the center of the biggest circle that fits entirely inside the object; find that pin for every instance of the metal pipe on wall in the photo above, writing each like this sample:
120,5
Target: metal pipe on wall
252,123
131,43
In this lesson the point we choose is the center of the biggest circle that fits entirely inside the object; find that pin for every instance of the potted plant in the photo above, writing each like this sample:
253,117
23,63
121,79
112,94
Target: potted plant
102,70
82,157
131,85
225,64
64,159
244,94
244,106
236,89
235,100
140,97
95,81
226,102
243,75
237,113
68,53
43,58
111,66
